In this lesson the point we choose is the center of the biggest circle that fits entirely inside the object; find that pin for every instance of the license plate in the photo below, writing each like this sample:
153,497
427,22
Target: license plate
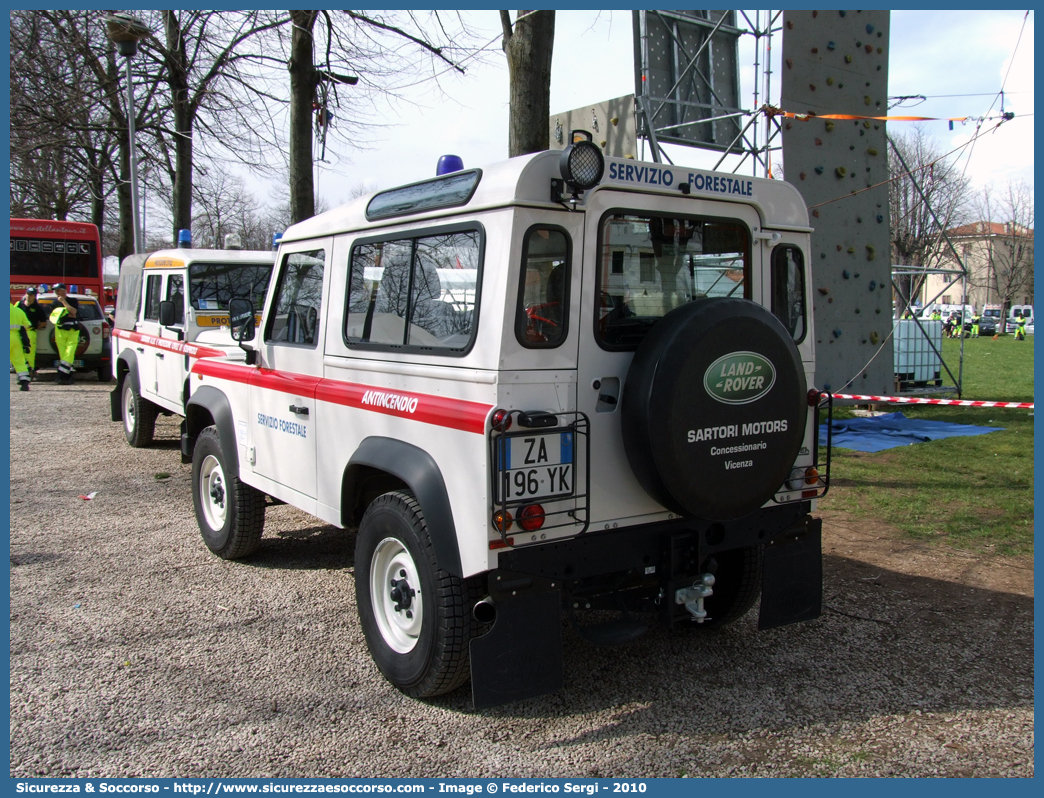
77,364
536,466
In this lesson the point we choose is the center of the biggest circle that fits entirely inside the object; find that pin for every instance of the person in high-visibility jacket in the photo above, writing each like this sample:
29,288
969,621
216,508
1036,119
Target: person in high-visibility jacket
976,318
19,345
936,315
37,321
66,332
1020,330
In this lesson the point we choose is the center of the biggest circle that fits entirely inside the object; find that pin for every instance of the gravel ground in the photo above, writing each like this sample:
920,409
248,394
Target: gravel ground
135,652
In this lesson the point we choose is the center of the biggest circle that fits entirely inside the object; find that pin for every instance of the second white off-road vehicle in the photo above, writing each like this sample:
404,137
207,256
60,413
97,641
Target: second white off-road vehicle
558,383
173,309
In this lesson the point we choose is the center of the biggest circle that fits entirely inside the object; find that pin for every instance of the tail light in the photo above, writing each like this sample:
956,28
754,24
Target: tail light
502,520
106,332
811,475
531,517
501,420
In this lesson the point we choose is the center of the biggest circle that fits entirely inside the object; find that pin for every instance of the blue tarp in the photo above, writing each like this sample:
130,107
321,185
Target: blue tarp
894,429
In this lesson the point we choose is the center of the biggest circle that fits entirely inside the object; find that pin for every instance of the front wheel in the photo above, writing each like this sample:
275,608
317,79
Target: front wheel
415,616
230,514
139,416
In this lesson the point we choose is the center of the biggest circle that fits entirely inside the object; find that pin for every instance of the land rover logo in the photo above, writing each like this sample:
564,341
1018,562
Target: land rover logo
739,378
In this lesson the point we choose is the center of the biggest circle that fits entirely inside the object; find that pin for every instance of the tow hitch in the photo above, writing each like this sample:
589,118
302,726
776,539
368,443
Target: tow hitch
692,597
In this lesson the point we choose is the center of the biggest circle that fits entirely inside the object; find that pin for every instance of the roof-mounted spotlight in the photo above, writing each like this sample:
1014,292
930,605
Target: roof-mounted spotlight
582,165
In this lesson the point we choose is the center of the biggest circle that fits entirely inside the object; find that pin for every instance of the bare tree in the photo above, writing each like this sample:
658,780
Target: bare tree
529,46
924,199
349,48
1006,225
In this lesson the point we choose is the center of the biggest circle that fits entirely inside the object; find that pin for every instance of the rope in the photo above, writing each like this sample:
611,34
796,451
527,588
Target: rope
909,400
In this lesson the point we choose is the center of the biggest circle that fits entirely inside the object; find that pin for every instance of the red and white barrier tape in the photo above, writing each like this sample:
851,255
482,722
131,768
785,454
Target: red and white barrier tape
909,400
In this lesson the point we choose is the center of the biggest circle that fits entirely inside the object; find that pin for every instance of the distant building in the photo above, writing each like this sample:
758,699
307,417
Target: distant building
999,260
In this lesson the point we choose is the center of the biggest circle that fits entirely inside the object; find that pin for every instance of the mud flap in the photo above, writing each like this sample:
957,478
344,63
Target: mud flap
521,656
116,402
792,581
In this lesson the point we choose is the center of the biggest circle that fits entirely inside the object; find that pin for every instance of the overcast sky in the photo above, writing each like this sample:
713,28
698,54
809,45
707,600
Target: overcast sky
933,53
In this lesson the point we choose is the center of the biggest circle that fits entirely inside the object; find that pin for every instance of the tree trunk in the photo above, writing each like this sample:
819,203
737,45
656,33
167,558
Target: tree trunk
302,94
184,113
528,48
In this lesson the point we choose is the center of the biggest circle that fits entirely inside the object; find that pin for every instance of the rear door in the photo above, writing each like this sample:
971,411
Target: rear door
282,391
148,325
171,363
643,256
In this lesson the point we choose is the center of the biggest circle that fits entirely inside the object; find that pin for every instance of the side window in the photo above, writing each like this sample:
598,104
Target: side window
542,314
298,300
176,294
415,292
788,289
152,296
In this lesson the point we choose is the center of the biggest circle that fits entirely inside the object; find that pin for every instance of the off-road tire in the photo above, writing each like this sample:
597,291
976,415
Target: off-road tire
237,530
139,415
438,661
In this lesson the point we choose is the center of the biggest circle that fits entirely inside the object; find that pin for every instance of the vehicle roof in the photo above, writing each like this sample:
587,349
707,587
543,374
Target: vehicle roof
77,297
525,180
179,258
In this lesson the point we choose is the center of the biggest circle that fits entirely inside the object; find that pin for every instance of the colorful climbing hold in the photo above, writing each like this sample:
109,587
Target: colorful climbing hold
871,252
830,81
837,333
812,86
871,151
874,337
880,218
879,51
848,59
873,285
845,274
866,99
838,247
869,48
869,28
831,45
840,171
802,175
824,291
816,214
819,142
851,250
815,49
790,63
819,170
829,126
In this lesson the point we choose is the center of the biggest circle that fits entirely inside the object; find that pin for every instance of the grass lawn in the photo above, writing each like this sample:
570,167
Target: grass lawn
972,492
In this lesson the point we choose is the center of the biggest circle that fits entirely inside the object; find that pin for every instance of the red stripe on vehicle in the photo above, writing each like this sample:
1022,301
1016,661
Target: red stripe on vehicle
181,347
439,411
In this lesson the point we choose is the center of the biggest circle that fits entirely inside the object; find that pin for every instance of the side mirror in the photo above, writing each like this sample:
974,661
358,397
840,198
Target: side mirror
166,310
241,320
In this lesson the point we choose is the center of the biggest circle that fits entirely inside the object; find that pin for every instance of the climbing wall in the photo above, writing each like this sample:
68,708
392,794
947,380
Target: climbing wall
836,62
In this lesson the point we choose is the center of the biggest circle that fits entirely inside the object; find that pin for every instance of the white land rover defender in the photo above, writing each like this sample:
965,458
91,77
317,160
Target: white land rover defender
561,382
172,308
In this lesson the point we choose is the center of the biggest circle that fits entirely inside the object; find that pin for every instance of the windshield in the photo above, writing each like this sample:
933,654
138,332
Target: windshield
213,285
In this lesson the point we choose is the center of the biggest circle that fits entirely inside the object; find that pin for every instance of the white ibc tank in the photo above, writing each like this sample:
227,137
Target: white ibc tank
917,364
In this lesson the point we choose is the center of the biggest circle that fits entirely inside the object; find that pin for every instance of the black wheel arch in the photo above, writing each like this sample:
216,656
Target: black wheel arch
208,406
127,369
383,464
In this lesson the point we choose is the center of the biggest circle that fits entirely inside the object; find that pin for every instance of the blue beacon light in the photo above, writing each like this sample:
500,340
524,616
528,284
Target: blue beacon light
184,239
449,164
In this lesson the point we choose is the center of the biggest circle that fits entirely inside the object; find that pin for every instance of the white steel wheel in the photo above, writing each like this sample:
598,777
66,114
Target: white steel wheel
395,593
213,493
130,410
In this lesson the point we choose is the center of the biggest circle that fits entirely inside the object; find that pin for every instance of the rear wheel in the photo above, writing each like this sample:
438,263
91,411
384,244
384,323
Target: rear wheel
139,416
415,616
230,514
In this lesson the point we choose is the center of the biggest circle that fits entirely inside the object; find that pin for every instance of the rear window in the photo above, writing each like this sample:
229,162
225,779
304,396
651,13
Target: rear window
651,264
87,310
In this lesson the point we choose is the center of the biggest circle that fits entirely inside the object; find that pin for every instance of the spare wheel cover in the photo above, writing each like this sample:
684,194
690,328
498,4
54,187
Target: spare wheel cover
714,408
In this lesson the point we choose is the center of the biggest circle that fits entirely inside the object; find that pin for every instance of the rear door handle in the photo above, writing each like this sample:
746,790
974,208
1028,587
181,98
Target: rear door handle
140,349
301,411
159,355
